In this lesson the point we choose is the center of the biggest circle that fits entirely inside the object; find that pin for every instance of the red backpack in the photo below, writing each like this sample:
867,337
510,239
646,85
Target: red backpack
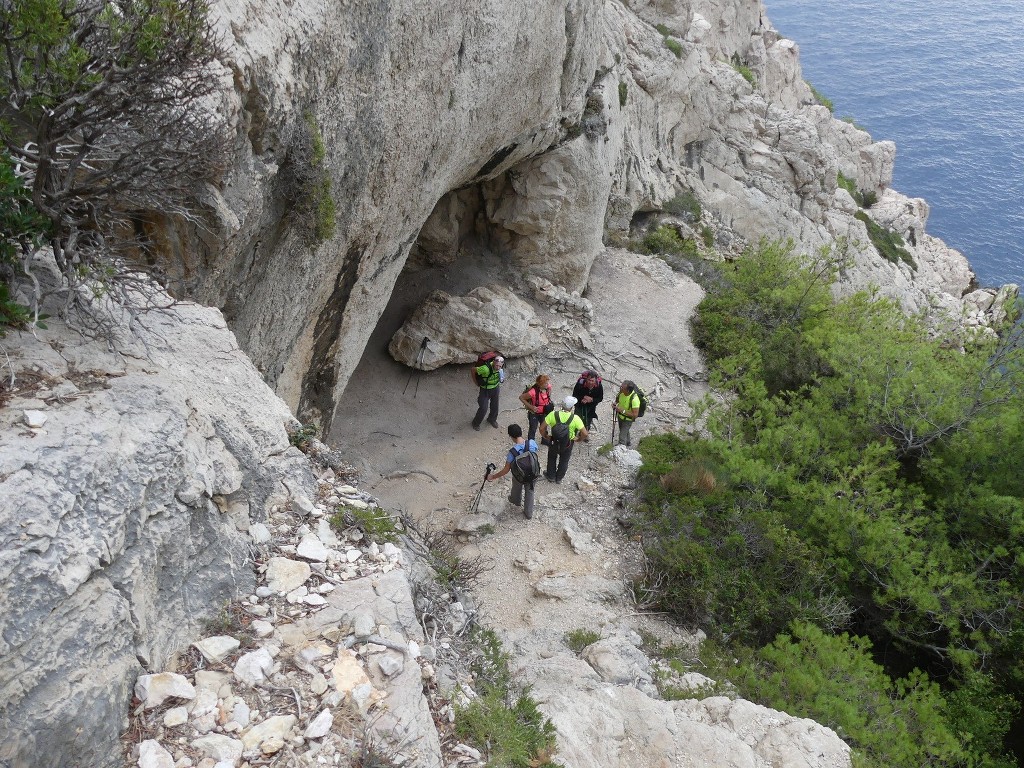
583,377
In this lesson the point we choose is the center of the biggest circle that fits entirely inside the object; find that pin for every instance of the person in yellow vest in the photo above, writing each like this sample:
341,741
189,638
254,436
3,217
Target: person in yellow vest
491,375
626,407
560,430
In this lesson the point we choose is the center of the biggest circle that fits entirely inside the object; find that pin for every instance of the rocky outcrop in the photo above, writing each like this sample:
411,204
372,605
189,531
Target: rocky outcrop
124,517
532,131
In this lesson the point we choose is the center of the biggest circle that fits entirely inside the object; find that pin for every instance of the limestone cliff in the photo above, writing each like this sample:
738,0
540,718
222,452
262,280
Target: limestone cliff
530,130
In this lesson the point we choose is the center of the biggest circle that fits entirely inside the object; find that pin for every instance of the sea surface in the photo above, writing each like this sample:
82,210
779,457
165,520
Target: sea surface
945,81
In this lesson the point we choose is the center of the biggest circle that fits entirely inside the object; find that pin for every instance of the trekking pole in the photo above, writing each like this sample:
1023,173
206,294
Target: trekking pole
416,369
476,503
613,426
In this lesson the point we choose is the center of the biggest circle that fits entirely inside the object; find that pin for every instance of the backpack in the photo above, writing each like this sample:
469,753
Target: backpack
560,432
643,401
484,358
583,377
526,466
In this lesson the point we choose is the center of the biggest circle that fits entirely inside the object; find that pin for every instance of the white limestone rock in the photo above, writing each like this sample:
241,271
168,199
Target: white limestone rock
153,755
154,690
285,574
216,649
252,668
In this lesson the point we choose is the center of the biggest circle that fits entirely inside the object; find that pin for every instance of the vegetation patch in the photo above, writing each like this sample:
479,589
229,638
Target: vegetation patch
376,524
862,198
623,93
684,204
853,488
307,184
888,243
578,639
822,99
746,72
503,721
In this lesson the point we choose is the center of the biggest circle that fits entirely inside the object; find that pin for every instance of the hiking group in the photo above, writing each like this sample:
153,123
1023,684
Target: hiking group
560,428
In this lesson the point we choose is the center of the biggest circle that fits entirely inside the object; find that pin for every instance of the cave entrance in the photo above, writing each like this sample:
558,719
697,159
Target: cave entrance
406,430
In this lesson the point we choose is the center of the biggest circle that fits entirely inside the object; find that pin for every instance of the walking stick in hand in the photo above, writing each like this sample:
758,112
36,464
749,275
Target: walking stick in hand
479,493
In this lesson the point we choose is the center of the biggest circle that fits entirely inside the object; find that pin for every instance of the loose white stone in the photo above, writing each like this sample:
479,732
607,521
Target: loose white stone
264,591
277,726
215,649
153,690
320,726
153,755
352,555
284,575
311,548
35,419
318,684
175,717
314,600
414,649
253,667
219,747
390,665
259,533
262,628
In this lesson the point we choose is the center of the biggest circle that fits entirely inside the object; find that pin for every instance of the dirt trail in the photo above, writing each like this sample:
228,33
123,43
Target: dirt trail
399,427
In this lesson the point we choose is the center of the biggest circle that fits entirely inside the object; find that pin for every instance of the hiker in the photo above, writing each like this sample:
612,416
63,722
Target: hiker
537,400
524,470
562,429
589,391
488,378
627,408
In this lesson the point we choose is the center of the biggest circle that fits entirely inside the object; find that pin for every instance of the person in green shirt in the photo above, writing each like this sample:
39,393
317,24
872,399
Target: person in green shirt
626,407
491,375
560,451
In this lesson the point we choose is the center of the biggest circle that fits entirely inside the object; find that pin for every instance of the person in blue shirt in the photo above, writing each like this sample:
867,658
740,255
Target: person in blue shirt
519,446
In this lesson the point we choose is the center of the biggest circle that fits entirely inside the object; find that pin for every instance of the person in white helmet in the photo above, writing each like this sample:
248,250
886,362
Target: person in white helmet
560,430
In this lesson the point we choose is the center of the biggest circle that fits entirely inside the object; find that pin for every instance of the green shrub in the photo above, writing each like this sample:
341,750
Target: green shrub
707,235
862,198
665,241
503,721
684,204
623,93
376,524
578,639
675,46
834,680
665,31
888,243
307,184
299,436
822,99
746,72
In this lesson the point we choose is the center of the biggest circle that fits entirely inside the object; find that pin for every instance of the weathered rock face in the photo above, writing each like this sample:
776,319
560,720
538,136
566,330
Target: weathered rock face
527,129
124,519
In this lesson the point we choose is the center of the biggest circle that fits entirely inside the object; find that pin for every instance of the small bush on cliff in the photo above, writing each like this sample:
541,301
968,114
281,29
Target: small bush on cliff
307,186
888,243
746,72
822,99
684,204
862,198
623,93
503,719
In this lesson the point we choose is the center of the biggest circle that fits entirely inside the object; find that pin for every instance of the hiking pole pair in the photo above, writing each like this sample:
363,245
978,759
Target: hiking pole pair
416,368
476,503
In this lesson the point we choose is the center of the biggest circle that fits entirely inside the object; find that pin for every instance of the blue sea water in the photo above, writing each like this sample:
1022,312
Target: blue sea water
945,81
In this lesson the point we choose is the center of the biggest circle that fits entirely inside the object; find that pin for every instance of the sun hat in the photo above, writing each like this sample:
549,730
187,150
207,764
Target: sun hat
569,403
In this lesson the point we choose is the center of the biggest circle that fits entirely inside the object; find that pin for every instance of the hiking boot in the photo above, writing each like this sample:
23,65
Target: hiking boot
528,515
513,503
558,482
549,478
476,426
493,424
